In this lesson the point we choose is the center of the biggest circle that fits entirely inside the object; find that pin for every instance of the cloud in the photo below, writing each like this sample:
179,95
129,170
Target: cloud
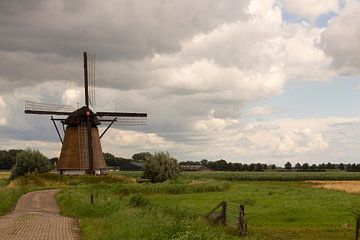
264,110
118,29
193,66
341,39
311,9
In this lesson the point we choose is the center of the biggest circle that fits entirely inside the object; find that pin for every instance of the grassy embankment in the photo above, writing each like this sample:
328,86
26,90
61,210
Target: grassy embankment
174,210
9,196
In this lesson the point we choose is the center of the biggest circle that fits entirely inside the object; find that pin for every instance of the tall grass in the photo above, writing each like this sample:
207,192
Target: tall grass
272,176
9,196
56,180
133,217
174,188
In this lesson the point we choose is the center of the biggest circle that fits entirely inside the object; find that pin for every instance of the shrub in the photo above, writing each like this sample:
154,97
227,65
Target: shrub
160,167
29,161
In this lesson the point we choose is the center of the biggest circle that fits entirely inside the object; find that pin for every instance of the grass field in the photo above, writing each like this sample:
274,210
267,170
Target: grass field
261,176
124,209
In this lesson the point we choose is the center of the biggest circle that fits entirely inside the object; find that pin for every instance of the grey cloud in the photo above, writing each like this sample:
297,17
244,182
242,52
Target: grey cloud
116,29
341,40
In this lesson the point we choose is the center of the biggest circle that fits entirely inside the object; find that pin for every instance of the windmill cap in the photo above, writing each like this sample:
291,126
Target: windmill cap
80,115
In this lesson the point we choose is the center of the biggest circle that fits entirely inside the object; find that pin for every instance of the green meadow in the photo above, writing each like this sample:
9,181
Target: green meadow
125,209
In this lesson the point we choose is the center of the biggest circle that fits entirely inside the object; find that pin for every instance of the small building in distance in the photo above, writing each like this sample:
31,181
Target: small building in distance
193,168
131,166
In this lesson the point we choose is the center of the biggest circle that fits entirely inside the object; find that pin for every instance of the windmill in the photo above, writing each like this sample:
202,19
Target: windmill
81,151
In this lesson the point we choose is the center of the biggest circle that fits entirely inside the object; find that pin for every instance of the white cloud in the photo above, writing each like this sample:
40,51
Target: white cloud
312,9
72,96
261,110
3,121
264,110
49,149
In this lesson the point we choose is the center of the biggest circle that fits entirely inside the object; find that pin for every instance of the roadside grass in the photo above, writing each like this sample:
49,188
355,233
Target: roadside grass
10,192
8,196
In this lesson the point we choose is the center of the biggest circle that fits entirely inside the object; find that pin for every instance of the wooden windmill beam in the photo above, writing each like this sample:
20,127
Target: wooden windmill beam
57,130
120,114
46,112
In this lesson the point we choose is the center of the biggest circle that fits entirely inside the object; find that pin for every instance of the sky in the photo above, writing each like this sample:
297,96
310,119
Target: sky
266,81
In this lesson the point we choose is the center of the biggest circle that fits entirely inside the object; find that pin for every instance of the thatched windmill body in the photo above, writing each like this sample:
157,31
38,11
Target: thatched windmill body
81,151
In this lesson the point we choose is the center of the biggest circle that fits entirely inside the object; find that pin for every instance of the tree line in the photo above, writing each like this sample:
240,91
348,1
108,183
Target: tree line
223,165
8,160
323,167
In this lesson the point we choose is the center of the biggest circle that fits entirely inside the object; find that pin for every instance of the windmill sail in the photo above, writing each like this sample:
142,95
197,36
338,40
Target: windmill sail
91,78
47,108
124,121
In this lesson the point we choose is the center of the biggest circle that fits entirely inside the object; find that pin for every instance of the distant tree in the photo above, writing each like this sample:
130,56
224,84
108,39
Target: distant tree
305,166
8,158
273,166
109,159
313,167
297,166
341,166
29,161
322,166
204,162
142,156
259,167
288,166
330,166
160,167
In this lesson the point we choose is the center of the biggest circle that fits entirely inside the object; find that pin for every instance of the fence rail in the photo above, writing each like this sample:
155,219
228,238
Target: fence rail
229,214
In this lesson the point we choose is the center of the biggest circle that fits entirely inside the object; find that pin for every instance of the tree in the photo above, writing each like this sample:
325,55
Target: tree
29,161
204,162
160,167
341,166
8,158
297,166
142,156
109,159
305,166
288,166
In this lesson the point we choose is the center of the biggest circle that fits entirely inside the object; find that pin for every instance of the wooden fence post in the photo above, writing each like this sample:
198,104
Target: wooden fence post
242,221
92,199
224,212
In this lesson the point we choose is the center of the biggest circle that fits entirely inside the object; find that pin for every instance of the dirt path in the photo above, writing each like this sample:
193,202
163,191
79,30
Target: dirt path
36,217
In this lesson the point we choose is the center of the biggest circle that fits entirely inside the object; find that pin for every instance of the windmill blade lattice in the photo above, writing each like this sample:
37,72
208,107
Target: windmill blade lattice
91,77
125,121
47,108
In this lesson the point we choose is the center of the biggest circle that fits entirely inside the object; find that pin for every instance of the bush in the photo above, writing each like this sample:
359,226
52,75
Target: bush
29,161
160,167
